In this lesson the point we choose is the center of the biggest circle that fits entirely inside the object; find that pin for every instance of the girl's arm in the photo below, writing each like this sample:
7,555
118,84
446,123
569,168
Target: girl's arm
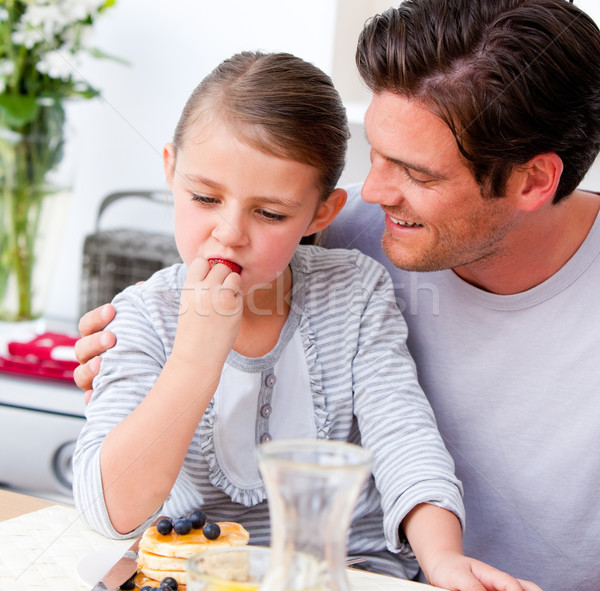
141,456
436,539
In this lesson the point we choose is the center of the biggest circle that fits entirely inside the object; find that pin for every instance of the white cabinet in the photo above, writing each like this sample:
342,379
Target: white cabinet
39,424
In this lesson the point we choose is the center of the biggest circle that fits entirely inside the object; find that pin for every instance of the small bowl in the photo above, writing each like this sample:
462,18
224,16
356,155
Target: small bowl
227,569
243,568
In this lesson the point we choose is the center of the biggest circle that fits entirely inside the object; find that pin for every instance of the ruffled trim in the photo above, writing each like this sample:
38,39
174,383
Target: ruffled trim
315,374
253,496
216,476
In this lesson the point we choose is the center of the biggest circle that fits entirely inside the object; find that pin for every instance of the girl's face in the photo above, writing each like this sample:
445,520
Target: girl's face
239,204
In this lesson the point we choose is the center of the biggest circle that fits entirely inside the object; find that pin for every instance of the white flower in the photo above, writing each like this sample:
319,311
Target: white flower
47,19
7,67
3,14
80,9
56,65
26,37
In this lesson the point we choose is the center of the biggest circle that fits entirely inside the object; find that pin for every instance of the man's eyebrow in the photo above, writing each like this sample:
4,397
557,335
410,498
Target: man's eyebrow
422,169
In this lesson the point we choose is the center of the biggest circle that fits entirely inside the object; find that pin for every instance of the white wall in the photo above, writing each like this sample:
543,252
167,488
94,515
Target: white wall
170,45
592,180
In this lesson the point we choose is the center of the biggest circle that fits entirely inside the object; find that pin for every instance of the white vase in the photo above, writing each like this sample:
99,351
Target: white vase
35,181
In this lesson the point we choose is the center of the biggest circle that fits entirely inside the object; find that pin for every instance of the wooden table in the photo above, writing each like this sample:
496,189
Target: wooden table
13,504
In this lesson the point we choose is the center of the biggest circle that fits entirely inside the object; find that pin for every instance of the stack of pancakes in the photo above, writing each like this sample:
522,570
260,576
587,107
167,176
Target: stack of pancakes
161,556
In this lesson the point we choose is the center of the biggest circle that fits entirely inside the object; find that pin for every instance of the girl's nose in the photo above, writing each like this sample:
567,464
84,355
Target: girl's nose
229,230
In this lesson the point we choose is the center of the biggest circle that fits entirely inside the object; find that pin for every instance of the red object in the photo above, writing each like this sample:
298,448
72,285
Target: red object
233,266
48,355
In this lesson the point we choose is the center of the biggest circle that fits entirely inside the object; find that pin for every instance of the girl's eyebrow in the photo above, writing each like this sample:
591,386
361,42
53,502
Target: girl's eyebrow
200,180
280,201
195,179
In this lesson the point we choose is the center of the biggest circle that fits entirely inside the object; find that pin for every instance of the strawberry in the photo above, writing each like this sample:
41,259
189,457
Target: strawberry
233,266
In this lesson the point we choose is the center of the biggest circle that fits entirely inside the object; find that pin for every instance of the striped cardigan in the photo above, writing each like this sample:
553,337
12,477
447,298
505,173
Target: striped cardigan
342,351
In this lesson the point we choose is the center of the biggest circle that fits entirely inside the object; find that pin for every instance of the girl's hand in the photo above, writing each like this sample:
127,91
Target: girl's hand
210,313
456,572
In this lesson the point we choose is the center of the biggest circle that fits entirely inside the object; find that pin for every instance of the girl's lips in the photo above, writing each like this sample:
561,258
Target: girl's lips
233,266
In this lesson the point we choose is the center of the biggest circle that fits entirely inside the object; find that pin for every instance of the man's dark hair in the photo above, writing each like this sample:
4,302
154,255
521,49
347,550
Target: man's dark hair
511,78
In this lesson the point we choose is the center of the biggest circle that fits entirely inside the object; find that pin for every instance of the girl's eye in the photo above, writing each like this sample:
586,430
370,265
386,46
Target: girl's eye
271,216
205,199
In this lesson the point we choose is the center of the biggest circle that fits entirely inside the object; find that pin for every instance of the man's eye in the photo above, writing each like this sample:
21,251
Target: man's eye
412,178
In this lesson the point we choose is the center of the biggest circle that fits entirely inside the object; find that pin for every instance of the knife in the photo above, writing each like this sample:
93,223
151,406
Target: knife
121,571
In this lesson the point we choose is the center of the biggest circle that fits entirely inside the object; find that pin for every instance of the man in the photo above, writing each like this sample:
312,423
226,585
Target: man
484,119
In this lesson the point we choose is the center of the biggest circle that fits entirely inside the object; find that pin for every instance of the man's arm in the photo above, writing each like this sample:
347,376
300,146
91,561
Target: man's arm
94,341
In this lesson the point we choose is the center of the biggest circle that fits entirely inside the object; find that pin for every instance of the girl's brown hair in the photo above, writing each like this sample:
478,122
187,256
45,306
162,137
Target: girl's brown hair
276,103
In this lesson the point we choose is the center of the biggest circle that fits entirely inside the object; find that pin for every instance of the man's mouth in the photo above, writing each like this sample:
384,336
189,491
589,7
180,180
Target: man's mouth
233,266
404,223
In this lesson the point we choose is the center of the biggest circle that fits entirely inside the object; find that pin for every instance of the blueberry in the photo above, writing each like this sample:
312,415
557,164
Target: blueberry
198,519
147,588
169,582
164,526
211,531
128,585
182,526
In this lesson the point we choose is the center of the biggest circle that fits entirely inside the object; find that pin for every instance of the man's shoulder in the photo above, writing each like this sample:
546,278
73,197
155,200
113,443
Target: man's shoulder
348,228
360,225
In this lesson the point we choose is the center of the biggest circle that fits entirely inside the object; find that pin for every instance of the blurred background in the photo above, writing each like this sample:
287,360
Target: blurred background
116,140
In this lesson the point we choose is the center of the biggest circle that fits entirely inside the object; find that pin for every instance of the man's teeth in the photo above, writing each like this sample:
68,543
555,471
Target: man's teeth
404,223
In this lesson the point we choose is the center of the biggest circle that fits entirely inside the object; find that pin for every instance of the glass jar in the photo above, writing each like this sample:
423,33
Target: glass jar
312,488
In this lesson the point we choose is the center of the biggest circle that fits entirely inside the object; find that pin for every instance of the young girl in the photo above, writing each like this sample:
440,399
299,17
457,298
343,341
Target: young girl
254,337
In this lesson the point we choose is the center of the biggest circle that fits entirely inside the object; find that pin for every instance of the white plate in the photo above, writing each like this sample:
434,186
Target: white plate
94,566
365,581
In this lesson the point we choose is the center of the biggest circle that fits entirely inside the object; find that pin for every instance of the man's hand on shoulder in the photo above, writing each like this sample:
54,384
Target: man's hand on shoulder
94,341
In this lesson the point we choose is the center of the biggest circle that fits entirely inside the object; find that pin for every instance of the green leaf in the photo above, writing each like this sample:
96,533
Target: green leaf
102,55
16,110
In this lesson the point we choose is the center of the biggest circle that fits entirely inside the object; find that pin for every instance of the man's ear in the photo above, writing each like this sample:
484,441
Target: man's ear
536,181
327,211
169,163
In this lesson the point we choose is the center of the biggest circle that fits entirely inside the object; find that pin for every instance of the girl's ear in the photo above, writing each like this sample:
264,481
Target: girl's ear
327,211
169,163
536,181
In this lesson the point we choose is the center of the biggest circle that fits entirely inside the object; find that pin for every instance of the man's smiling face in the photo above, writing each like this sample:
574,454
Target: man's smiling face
436,216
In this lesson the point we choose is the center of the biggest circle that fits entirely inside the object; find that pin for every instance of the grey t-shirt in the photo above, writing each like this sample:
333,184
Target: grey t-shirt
514,382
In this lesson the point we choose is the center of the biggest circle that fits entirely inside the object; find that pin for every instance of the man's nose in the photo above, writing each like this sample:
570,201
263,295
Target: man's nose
380,186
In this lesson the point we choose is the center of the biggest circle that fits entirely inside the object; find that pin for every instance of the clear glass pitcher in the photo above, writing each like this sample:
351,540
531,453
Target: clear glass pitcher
312,488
